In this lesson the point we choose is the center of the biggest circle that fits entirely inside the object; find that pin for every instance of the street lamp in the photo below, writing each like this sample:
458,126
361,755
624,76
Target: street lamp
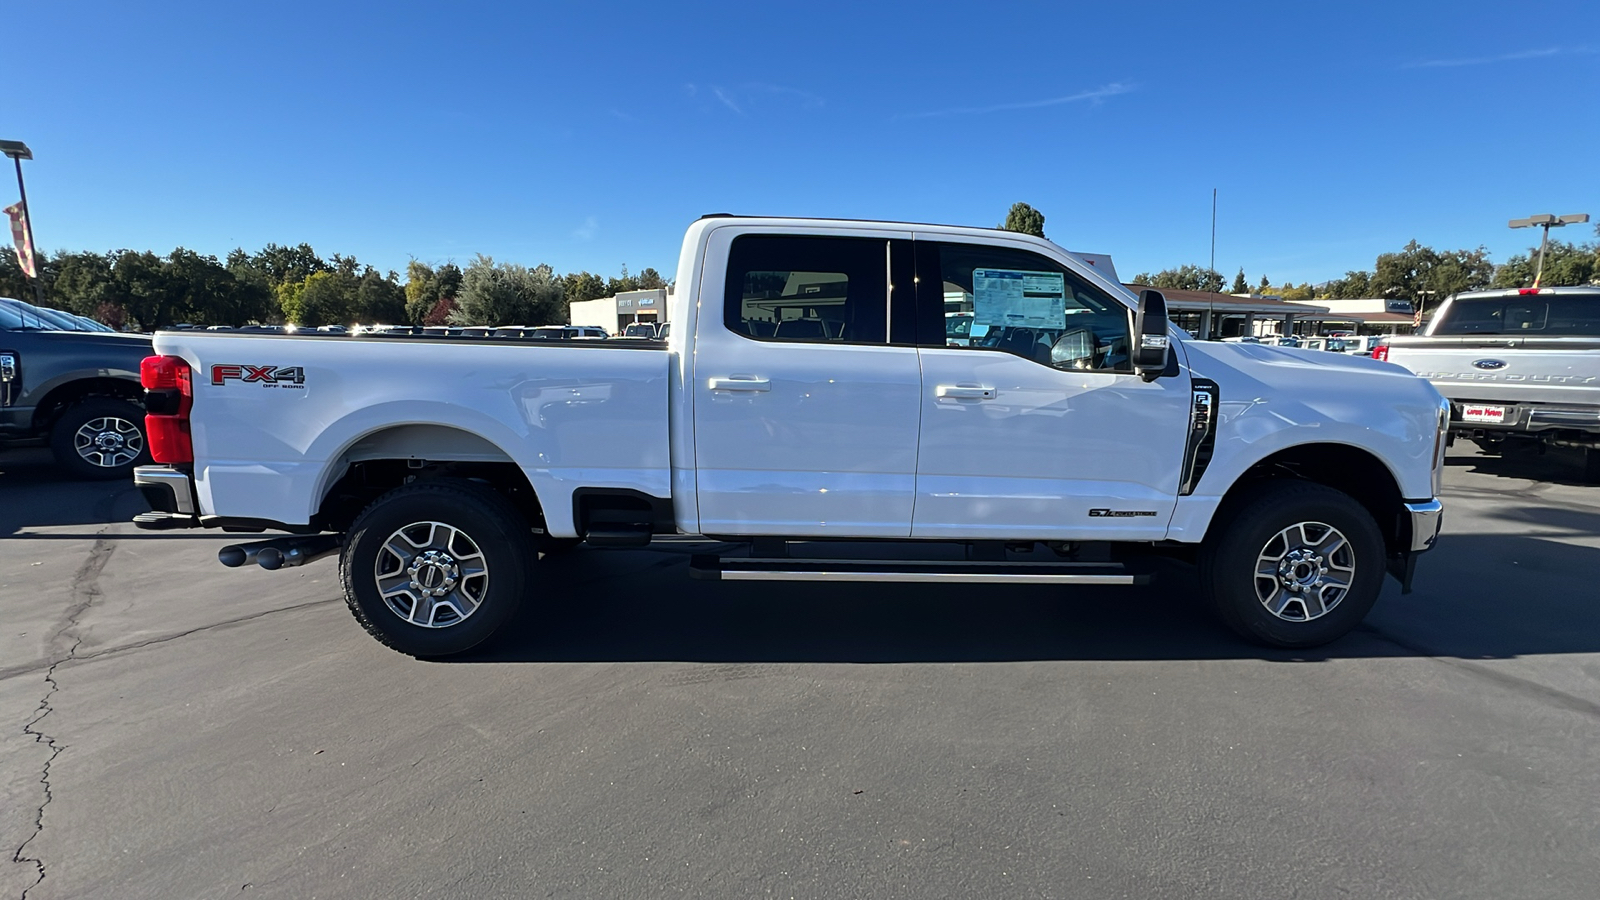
18,151
1547,222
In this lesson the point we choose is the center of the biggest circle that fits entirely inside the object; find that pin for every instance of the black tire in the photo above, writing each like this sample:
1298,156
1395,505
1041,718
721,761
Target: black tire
1591,465
491,525
100,438
1246,535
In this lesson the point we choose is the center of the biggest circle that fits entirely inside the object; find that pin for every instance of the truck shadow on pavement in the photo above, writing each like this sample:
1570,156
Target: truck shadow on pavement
36,494
1559,466
1478,597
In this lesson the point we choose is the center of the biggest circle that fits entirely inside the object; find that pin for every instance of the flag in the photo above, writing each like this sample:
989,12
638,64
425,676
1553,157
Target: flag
19,234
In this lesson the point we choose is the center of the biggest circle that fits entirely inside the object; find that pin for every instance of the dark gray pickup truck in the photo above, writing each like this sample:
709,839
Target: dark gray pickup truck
77,390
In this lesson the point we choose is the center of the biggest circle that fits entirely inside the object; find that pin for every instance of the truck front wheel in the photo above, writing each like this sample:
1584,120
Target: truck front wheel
101,438
436,567
1295,564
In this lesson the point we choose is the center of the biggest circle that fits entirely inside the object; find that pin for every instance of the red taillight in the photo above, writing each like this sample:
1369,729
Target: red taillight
168,398
1381,352
1527,290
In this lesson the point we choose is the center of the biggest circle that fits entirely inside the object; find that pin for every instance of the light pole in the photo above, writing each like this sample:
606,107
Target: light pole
1547,222
18,151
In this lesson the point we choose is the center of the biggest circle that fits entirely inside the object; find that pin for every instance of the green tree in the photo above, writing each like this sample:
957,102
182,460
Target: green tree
141,282
1184,278
326,298
1355,284
509,294
1240,286
288,265
83,283
581,286
1265,284
615,286
380,299
1564,264
1419,273
650,280
1025,219
426,288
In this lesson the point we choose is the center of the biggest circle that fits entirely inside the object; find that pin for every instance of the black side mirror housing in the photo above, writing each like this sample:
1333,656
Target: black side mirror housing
1151,345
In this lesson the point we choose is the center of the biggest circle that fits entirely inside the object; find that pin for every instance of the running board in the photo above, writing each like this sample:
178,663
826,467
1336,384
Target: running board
713,568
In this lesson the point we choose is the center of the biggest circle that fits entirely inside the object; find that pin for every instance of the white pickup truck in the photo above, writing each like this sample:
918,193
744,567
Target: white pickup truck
810,394
1521,367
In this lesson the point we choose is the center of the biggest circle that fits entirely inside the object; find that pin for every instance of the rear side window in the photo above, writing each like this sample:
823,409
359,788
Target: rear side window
1570,315
808,289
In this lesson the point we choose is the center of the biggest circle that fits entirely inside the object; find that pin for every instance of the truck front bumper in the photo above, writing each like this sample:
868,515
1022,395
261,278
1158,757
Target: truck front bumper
1427,517
170,494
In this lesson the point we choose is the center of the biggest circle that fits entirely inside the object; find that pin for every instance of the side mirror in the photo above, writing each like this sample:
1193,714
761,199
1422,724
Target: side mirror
1150,347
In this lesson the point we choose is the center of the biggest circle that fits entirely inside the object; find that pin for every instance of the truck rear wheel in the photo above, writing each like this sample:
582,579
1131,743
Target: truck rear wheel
436,567
1295,564
100,438
1591,465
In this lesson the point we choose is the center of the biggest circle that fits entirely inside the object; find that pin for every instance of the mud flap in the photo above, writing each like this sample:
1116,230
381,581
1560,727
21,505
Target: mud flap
1403,568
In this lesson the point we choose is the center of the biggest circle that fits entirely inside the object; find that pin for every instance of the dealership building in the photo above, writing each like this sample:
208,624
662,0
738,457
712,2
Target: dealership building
615,313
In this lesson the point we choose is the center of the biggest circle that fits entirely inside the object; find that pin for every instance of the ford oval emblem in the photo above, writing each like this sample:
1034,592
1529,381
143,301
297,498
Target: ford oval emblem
1490,364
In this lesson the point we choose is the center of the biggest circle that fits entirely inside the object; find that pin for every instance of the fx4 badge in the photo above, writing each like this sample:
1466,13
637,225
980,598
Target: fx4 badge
266,376
1119,513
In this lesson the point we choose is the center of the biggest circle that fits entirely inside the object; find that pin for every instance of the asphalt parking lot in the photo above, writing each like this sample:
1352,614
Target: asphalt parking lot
175,729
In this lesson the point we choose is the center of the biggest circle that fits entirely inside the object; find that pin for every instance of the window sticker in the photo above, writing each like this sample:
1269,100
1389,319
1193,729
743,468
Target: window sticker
1013,298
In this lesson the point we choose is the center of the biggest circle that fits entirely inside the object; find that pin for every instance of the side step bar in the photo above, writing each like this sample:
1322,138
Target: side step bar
713,568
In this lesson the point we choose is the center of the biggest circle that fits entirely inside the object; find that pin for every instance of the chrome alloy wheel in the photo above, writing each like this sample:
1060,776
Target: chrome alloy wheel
1304,571
108,442
431,574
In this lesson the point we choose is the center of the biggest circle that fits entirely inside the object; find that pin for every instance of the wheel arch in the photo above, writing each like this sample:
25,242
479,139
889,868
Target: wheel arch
1354,471
67,391
387,457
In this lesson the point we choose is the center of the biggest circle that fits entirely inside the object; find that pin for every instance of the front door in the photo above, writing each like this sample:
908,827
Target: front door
805,415
1034,425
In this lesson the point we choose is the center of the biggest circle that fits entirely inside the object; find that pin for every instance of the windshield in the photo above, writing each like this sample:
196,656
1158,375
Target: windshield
48,319
1548,315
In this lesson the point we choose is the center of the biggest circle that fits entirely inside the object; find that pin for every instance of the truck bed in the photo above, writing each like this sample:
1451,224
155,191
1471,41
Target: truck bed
569,413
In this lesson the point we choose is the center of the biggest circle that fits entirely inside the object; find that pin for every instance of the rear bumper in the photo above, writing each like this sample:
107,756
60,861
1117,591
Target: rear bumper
1530,419
170,494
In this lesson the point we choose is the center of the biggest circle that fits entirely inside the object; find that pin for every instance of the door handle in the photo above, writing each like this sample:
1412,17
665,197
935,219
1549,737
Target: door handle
739,383
964,392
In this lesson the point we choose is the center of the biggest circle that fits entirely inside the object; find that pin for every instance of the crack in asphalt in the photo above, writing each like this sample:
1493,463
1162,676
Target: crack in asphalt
15,671
85,588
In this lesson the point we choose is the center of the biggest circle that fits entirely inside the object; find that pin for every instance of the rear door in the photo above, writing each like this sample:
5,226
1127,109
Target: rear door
805,414
1034,424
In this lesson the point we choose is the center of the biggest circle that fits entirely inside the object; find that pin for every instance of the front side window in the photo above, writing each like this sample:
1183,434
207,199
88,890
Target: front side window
998,298
808,289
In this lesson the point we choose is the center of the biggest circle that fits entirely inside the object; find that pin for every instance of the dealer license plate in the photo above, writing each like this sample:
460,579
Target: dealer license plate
1485,415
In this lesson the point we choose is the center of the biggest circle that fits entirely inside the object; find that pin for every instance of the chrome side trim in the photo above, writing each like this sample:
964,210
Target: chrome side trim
941,577
1427,517
171,479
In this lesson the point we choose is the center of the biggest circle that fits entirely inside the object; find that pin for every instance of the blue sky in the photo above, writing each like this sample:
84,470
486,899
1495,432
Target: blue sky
587,135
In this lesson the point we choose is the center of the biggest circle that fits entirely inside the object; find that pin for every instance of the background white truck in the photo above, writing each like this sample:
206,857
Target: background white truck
1521,368
810,394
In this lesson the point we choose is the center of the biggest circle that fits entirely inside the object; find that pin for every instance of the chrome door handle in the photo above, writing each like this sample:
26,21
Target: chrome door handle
964,392
739,383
